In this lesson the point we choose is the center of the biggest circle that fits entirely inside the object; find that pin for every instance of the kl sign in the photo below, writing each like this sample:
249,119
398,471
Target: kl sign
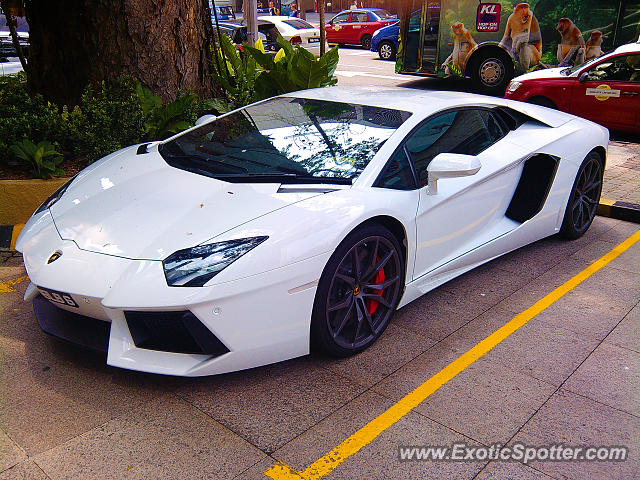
488,17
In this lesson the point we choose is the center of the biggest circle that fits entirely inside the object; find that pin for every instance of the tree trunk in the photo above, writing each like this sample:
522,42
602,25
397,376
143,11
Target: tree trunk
323,34
163,43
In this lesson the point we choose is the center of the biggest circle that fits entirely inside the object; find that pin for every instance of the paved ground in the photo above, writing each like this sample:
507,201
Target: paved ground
571,375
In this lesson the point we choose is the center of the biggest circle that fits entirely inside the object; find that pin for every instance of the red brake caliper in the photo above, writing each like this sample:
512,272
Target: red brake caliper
372,305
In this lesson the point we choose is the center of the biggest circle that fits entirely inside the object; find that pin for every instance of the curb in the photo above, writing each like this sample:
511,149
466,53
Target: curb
9,235
629,212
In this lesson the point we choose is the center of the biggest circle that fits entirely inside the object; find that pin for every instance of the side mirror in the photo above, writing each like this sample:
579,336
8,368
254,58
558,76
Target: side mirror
583,77
451,165
205,119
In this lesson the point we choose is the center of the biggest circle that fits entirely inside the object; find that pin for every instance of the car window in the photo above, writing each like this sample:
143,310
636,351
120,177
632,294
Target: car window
397,174
341,18
269,30
383,14
298,24
359,17
459,131
624,68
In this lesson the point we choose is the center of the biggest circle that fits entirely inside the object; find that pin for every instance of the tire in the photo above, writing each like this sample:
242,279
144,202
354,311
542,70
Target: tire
491,72
543,101
584,197
365,41
349,313
386,50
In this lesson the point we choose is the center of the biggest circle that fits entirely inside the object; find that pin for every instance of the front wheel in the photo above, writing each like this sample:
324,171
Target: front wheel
386,50
365,41
491,72
358,292
584,197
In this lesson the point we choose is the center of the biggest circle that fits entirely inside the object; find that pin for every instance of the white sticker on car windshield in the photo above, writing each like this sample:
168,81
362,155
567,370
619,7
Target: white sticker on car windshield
603,92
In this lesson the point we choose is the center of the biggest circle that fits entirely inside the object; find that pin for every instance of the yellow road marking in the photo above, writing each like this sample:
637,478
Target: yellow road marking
14,235
331,460
7,286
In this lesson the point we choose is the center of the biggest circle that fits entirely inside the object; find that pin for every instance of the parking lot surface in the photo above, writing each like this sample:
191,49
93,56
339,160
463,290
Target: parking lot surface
570,375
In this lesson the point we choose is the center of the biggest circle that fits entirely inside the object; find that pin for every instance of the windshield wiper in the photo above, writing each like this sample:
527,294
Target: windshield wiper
290,178
209,164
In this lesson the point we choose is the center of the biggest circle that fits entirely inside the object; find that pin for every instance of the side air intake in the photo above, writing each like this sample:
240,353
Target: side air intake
534,185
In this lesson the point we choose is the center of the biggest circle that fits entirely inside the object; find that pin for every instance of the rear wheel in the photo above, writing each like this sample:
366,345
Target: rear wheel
358,292
491,72
584,197
365,41
386,50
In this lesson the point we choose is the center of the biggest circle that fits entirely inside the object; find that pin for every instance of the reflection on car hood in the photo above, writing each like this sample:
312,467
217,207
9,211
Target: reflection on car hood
137,206
544,73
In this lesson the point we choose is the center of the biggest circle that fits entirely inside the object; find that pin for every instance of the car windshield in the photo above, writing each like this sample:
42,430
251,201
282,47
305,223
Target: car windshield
286,140
574,69
383,14
298,24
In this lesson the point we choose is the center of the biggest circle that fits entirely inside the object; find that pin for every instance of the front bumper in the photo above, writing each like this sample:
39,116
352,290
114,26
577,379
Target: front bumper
259,319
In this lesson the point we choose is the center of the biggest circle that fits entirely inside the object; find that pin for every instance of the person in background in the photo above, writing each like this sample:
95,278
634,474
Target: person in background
294,11
272,9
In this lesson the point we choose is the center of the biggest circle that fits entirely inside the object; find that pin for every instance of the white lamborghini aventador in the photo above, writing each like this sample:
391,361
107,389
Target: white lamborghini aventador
301,221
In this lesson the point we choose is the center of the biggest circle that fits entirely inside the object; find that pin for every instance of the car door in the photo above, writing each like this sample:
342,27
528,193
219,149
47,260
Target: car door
609,92
336,28
468,211
358,26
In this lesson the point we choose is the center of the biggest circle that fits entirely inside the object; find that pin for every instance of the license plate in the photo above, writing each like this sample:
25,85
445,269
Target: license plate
58,297
314,40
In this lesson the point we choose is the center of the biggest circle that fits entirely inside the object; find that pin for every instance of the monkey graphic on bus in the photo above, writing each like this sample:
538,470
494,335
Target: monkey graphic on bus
522,36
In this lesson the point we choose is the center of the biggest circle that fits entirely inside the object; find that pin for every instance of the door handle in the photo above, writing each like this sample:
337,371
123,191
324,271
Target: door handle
630,94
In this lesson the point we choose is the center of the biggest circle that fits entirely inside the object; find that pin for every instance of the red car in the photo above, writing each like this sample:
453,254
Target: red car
605,90
357,26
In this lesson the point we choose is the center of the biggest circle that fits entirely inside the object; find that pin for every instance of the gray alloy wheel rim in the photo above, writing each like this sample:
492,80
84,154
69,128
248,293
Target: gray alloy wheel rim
348,319
386,52
366,42
492,72
585,198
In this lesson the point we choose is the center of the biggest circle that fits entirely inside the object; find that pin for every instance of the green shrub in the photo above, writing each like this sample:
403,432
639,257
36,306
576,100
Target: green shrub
108,118
292,69
43,159
255,75
162,121
236,74
25,116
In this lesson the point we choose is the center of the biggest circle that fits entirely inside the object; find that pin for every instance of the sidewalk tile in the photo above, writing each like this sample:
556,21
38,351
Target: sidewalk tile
269,406
627,333
611,375
167,439
574,420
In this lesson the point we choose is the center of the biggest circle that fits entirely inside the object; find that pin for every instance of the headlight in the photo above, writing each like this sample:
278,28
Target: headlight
193,267
375,34
513,86
55,196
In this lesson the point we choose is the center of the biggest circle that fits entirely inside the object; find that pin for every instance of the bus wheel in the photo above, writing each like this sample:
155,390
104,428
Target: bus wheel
492,71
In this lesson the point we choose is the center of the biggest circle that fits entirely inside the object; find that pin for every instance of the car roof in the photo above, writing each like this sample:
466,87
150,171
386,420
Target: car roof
279,17
363,9
425,102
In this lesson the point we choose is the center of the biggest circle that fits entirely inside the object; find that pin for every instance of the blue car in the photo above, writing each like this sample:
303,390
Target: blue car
385,41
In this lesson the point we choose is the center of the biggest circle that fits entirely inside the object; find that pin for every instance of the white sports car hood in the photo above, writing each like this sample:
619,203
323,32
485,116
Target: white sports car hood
136,206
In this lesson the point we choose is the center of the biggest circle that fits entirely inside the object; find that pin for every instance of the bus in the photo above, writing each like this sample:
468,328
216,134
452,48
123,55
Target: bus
491,42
